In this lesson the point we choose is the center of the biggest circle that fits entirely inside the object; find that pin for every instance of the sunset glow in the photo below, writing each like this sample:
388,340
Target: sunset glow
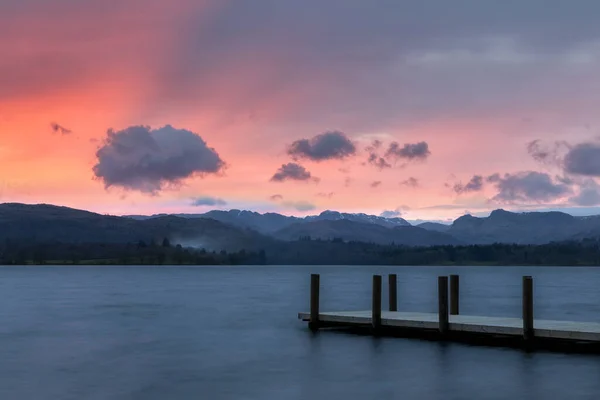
252,78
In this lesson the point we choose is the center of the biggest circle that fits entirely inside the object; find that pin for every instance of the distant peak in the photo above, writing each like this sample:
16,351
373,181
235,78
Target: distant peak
358,217
329,213
500,212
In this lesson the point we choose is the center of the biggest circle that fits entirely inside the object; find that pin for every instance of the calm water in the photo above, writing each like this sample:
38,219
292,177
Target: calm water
231,333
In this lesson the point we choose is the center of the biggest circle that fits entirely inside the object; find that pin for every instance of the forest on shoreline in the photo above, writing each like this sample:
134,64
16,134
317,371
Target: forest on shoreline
301,252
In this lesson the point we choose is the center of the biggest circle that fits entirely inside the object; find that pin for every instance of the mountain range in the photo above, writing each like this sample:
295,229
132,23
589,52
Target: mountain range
499,227
239,229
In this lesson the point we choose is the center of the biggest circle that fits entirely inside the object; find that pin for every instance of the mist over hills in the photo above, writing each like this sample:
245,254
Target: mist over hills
48,223
239,229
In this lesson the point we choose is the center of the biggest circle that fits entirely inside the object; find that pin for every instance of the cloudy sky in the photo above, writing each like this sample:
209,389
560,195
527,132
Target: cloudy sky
425,108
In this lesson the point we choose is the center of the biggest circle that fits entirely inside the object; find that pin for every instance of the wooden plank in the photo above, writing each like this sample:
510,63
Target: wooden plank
454,294
565,330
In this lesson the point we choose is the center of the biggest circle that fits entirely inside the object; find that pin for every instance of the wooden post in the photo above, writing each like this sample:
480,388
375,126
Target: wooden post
314,302
393,291
376,312
454,294
528,331
443,305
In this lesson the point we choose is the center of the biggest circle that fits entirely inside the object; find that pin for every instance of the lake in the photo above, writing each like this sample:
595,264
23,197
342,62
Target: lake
232,333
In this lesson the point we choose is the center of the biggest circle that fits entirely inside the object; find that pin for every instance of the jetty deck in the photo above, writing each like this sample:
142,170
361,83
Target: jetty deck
567,330
449,324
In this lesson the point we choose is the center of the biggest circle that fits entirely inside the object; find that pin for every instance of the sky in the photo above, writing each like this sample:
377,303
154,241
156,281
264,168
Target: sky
425,109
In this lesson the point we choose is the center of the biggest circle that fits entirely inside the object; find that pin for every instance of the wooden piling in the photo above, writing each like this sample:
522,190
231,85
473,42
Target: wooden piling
454,294
528,332
376,311
443,318
393,292
314,302
548,334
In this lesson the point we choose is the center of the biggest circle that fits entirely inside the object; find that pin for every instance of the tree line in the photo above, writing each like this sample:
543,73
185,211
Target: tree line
337,252
140,253
302,252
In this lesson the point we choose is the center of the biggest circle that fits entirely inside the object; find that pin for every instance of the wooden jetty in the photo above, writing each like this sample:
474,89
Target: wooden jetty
448,324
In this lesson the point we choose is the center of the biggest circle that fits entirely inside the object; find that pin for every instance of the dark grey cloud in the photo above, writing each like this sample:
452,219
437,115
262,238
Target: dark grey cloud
293,172
410,182
567,180
549,154
410,151
474,185
147,160
375,184
583,159
208,201
56,128
326,146
378,162
276,197
390,28
493,178
391,213
406,60
536,151
300,205
470,32
527,186
374,146
588,195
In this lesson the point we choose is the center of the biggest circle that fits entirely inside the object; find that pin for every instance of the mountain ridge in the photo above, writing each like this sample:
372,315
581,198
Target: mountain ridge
352,231
235,229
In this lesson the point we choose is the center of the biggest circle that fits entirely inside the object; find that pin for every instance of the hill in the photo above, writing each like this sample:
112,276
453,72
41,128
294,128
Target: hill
46,223
434,226
521,228
329,215
265,223
347,230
